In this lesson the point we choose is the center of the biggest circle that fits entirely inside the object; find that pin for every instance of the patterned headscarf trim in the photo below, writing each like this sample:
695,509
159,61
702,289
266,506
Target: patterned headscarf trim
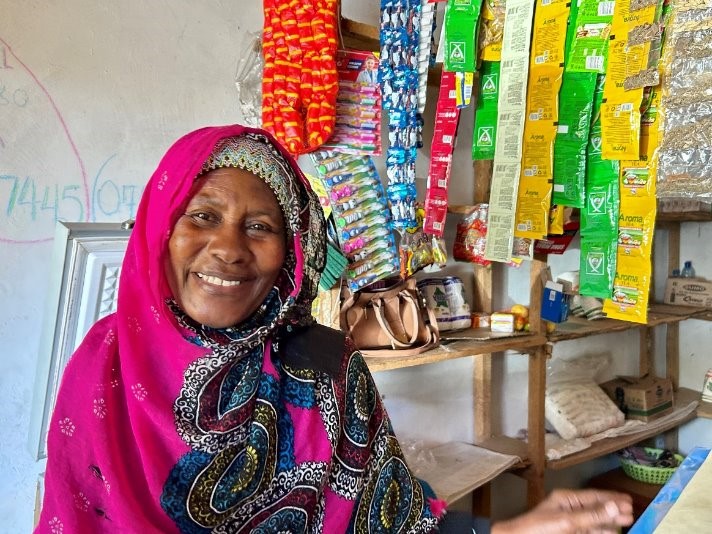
254,154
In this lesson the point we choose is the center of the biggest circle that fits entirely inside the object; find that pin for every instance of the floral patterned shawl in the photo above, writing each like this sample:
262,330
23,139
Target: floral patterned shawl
275,425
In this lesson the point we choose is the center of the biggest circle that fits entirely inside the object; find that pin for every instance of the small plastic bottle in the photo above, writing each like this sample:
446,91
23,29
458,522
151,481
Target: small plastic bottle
688,271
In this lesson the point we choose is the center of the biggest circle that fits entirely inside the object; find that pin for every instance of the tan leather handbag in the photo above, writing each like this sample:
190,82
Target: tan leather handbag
389,322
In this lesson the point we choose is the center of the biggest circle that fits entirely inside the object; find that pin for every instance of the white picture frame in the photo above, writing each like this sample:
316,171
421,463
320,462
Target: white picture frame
83,288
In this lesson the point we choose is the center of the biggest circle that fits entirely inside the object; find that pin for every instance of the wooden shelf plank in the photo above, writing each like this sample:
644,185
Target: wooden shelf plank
705,410
704,315
461,348
686,216
683,397
507,445
578,327
460,468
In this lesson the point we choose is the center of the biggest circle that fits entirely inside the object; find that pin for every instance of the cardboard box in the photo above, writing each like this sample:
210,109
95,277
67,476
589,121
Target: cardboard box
688,292
645,399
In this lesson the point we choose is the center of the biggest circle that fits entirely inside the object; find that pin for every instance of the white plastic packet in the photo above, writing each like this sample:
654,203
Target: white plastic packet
248,80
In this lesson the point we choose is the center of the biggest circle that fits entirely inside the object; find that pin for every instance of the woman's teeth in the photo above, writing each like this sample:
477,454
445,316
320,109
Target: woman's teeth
218,281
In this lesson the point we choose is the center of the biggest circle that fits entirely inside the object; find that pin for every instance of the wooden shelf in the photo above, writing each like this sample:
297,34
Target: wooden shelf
705,410
683,397
459,209
460,348
704,315
460,468
507,445
578,327
360,36
687,216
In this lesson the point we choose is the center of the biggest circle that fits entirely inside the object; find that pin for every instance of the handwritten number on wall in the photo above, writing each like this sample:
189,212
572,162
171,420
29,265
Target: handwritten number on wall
24,201
3,58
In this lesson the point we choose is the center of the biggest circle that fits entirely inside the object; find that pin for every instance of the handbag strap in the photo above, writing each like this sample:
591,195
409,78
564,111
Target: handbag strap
380,317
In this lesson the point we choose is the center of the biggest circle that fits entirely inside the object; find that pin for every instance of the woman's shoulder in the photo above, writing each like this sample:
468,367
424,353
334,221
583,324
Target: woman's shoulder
315,347
100,336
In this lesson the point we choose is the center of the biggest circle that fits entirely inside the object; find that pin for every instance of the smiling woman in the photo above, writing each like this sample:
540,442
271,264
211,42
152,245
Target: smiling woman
211,401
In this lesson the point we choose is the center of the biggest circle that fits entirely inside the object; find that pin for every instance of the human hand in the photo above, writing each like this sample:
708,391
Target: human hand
571,512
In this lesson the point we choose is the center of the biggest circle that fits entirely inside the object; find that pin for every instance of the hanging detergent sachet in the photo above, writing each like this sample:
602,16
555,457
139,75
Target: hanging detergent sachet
485,132
598,266
577,90
461,18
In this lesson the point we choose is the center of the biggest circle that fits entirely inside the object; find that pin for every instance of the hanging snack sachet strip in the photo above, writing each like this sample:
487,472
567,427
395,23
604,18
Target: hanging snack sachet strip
620,113
685,163
636,178
398,74
574,122
545,71
446,121
599,216
426,58
299,84
510,127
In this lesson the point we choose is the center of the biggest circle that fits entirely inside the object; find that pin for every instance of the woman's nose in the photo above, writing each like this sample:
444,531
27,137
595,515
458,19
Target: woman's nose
229,243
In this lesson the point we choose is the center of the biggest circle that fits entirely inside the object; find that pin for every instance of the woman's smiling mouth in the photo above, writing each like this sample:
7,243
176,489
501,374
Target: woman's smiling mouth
214,280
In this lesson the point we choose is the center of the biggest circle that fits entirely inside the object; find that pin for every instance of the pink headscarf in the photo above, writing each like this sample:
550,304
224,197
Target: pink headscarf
123,456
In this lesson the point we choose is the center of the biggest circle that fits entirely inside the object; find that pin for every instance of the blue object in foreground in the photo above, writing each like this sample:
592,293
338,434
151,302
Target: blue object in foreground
670,492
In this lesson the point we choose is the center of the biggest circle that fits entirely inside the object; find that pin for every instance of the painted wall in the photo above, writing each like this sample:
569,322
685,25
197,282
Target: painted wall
91,95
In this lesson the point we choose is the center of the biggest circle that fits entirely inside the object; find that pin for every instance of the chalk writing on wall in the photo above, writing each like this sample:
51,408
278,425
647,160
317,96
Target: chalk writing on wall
42,174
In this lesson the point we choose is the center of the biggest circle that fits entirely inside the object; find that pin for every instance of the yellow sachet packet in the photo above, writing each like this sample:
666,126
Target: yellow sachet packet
543,94
549,35
626,59
533,203
631,292
538,151
636,225
620,130
637,179
491,30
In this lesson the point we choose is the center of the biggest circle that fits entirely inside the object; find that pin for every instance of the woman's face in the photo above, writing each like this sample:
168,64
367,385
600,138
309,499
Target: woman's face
227,249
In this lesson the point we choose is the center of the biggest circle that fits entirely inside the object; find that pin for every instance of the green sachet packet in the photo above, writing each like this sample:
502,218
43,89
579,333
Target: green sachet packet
485,132
598,268
461,19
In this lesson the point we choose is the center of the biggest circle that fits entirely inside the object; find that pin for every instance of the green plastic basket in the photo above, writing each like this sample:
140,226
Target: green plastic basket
650,474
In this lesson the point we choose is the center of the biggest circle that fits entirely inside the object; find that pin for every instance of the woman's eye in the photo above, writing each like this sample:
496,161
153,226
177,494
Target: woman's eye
202,216
260,227
264,227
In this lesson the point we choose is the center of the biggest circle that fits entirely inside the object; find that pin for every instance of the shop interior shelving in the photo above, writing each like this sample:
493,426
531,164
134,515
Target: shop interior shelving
537,346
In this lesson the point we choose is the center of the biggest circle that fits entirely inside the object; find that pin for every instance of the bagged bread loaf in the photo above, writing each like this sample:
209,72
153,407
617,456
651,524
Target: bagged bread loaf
577,409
